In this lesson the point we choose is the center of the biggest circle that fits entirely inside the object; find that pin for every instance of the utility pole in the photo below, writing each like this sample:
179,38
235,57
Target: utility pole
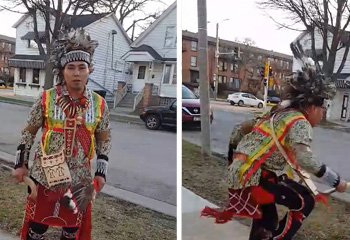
266,80
203,76
216,76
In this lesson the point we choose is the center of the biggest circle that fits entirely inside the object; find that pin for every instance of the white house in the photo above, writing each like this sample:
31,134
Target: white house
109,68
154,56
340,105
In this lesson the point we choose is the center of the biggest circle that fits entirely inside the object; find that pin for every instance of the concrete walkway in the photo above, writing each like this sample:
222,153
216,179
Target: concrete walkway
195,227
342,124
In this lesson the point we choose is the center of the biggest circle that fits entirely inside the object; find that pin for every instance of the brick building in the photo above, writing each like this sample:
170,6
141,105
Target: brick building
237,72
7,49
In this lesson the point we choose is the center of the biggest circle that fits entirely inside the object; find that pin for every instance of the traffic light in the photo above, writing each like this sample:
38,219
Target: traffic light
262,71
270,71
265,82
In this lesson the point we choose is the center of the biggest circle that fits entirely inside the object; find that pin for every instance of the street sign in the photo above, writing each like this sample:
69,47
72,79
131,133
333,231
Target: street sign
266,70
271,82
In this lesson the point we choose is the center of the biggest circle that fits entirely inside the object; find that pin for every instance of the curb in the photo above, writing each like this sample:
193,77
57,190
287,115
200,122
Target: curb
125,119
146,202
19,102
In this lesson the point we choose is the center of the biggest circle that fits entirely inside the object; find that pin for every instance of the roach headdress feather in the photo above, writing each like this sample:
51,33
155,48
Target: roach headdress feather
309,86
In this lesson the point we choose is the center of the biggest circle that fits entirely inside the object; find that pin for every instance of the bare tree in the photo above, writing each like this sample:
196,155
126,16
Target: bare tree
248,63
124,9
59,14
326,18
246,41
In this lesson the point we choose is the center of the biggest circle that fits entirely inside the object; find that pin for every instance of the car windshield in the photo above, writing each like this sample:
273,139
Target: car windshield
187,93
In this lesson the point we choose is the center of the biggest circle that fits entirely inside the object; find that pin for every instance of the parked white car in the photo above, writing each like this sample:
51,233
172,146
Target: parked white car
245,99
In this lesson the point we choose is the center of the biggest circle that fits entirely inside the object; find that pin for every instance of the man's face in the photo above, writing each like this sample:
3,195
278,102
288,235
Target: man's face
315,114
76,74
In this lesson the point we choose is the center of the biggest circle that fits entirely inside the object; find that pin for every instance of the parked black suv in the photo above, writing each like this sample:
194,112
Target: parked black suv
156,116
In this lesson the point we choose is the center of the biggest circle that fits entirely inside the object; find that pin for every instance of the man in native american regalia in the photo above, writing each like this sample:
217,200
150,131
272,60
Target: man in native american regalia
267,152
75,124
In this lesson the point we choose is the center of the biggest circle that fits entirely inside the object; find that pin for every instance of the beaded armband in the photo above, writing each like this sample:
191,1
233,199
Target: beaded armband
102,166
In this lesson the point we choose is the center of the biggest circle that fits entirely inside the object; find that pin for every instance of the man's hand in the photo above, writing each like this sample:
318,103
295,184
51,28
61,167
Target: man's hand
100,182
342,186
19,173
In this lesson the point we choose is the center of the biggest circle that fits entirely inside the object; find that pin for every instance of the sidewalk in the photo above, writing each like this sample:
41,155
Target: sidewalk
195,227
6,236
342,124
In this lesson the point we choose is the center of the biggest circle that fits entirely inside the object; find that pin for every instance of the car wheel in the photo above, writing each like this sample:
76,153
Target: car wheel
260,105
232,102
240,103
152,122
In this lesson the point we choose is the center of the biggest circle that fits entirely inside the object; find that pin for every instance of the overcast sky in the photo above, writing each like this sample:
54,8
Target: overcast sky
245,20
8,19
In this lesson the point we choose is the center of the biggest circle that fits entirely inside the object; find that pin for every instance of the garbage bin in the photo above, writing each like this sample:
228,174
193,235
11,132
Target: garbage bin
102,93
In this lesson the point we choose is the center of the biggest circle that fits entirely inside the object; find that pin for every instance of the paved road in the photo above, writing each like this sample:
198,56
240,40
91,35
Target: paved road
141,161
330,146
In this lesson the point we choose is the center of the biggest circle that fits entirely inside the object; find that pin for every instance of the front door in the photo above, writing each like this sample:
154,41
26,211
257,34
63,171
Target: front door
344,108
139,78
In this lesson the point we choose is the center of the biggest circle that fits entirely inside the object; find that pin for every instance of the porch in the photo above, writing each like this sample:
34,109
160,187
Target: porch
149,69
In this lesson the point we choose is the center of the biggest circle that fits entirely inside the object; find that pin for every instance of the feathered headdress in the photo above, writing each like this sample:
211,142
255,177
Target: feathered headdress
75,45
309,86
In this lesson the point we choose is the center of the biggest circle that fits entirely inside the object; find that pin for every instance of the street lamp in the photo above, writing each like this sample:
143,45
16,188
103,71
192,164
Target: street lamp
216,74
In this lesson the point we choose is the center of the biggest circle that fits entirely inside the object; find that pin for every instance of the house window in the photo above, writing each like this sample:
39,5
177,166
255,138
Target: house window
2,57
142,72
174,76
168,74
232,67
193,46
287,65
281,63
221,66
22,75
170,37
220,79
236,83
36,73
3,44
225,66
10,47
193,61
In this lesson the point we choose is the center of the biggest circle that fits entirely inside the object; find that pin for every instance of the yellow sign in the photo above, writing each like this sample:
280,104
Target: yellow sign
266,69
271,82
